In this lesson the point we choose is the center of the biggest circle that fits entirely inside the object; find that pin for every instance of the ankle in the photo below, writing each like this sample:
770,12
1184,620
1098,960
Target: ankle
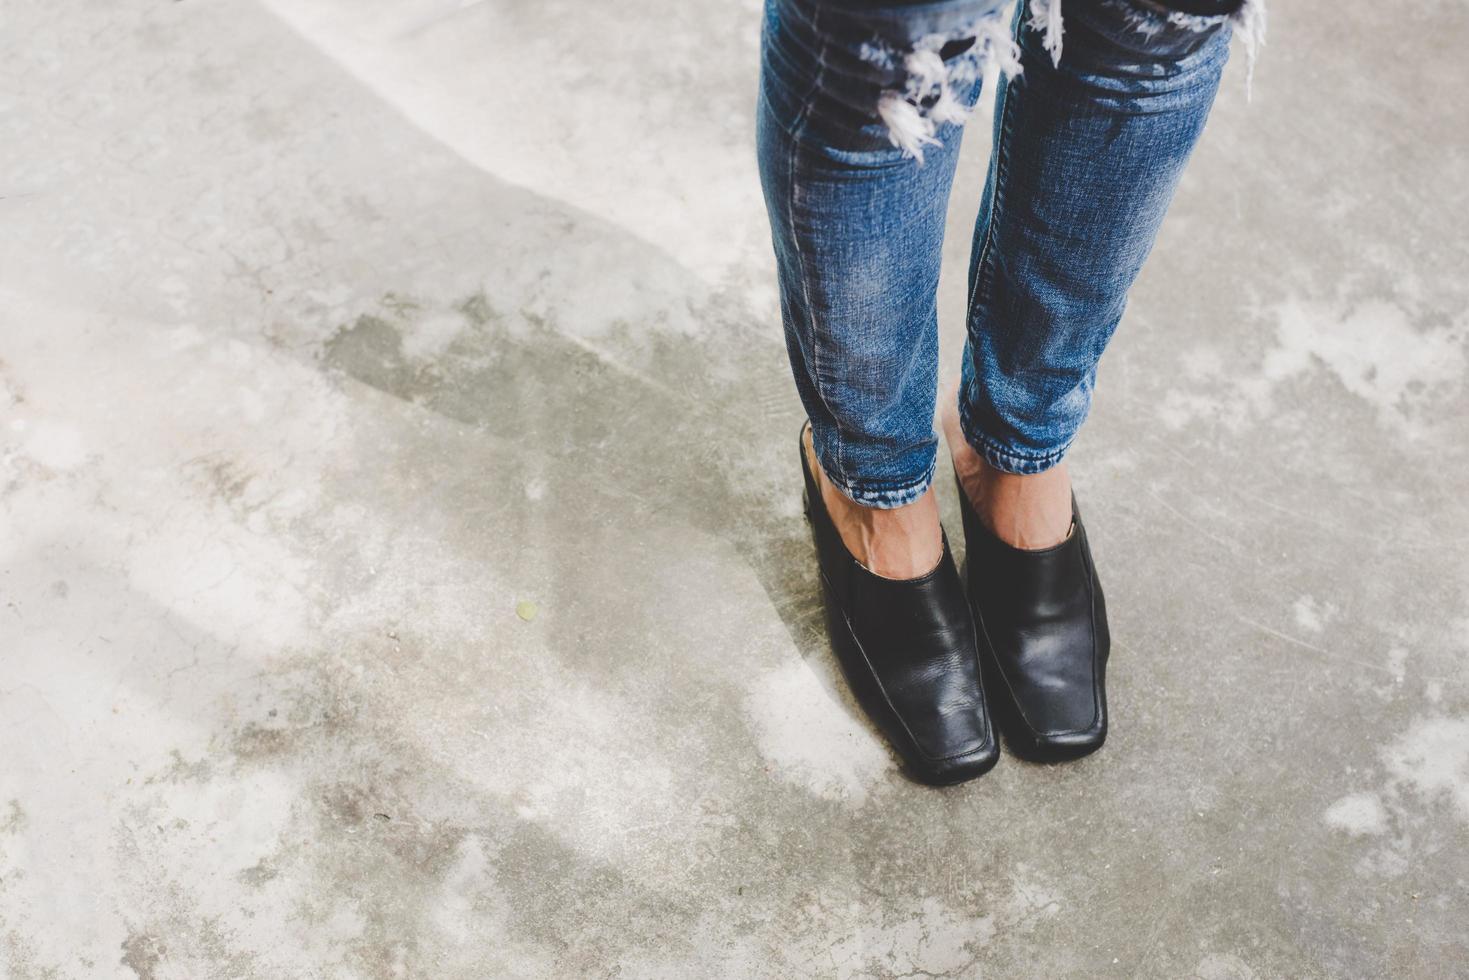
899,543
1029,511
1024,510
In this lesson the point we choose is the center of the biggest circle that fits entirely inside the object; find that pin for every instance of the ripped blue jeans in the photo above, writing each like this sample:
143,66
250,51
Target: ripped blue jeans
861,109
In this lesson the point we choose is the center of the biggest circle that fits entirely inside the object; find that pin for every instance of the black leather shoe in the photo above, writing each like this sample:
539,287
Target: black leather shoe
1043,639
909,650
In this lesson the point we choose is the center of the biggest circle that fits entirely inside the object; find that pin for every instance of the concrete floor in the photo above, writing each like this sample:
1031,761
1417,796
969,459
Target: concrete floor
401,557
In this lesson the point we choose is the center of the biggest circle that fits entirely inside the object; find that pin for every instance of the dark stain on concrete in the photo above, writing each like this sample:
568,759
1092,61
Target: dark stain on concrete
14,818
256,741
181,771
371,350
141,953
477,309
258,874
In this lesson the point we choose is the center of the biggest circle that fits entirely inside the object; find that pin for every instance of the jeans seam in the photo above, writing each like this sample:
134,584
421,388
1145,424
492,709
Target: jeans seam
984,264
798,125
996,205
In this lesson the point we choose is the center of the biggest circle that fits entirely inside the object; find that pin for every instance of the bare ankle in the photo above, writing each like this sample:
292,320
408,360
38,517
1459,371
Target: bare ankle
899,543
1030,511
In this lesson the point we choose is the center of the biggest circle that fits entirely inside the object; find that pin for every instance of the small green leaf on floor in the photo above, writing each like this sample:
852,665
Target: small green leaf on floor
526,610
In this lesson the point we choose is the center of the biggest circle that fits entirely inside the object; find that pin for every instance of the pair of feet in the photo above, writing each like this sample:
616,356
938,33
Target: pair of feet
1029,512
941,661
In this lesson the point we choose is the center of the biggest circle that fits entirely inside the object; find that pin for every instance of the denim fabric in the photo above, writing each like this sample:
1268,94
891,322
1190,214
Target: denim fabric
858,132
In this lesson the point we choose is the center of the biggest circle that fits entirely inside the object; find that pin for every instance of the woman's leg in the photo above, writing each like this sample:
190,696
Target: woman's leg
1087,154
1089,144
851,96
857,139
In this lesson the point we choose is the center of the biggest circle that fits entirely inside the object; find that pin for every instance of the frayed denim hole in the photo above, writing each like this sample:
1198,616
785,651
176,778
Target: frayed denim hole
932,67
1150,20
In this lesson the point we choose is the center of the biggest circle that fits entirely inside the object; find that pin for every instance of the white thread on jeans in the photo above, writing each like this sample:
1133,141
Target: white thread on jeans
1045,17
1249,22
927,98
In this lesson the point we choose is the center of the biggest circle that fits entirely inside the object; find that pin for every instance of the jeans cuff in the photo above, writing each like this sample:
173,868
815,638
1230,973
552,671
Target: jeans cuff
1001,457
883,498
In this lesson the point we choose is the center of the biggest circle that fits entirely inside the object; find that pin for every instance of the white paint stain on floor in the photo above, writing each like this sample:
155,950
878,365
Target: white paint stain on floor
1400,365
811,739
1376,351
1359,814
1432,759
1312,615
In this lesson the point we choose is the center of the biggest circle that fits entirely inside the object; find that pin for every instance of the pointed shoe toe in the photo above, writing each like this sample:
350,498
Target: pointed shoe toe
909,651
1044,640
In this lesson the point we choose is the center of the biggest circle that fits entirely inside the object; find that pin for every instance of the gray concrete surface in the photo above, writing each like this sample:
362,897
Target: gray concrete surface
332,334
